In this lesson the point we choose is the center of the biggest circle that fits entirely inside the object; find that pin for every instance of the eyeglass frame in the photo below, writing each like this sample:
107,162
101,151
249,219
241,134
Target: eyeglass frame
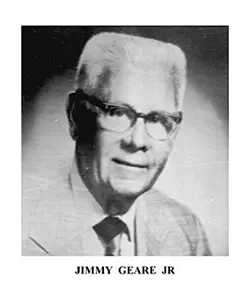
104,106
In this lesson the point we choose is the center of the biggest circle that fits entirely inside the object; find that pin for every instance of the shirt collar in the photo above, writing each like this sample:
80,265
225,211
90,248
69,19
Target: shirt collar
88,209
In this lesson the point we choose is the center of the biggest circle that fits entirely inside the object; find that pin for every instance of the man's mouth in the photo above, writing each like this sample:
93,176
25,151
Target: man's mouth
130,164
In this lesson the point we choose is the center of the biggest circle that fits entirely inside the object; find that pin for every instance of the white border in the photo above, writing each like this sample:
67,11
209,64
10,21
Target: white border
53,278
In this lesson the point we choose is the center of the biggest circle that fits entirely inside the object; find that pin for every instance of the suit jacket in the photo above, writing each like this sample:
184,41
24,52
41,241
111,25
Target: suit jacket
52,226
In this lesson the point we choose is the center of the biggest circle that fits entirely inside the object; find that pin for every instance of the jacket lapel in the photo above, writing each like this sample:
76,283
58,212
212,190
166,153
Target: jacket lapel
140,228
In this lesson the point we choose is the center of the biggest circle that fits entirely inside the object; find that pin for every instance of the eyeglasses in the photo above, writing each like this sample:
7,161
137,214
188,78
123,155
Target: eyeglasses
120,118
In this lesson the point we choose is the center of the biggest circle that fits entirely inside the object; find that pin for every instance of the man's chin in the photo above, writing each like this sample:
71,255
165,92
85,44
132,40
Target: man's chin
130,188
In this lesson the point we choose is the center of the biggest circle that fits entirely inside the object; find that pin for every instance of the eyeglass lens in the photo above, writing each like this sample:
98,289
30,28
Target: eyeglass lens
120,119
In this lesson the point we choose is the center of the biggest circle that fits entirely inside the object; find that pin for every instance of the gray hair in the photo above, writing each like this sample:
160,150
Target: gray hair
106,53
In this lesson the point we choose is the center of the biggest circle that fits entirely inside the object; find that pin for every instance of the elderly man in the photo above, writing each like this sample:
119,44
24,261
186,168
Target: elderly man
124,116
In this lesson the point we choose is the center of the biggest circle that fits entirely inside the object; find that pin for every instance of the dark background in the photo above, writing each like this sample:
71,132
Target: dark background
51,50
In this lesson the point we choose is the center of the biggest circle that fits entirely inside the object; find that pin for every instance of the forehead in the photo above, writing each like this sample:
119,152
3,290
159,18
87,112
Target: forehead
145,90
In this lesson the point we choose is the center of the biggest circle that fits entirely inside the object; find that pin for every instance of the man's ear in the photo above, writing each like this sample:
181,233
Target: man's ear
82,123
70,105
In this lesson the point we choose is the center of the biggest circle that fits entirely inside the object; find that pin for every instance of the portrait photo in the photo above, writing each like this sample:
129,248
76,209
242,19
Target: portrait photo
125,141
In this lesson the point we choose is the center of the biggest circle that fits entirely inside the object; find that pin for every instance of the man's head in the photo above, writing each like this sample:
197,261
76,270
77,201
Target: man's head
125,114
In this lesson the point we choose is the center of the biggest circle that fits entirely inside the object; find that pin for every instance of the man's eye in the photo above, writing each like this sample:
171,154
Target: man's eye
163,121
156,118
116,111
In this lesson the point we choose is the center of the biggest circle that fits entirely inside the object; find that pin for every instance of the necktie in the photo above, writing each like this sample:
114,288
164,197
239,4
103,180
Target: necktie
108,229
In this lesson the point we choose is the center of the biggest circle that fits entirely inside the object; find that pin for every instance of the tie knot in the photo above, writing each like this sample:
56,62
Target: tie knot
109,228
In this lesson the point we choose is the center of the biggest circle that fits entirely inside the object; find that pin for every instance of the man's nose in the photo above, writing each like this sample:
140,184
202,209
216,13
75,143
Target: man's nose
137,136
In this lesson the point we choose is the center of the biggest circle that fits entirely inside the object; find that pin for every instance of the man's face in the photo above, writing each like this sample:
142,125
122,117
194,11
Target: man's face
129,163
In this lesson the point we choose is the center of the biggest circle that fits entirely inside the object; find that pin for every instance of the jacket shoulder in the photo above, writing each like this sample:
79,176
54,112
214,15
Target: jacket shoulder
43,207
161,206
173,223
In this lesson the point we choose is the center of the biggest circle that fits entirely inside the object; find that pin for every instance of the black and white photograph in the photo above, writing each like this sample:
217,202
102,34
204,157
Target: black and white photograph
125,141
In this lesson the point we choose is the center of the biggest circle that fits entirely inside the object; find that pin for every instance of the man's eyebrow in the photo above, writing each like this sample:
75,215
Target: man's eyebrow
160,112
118,103
165,113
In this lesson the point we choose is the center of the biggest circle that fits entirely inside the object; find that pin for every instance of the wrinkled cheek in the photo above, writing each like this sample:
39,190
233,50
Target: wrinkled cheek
103,164
101,168
161,158
108,145
168,146
166,149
